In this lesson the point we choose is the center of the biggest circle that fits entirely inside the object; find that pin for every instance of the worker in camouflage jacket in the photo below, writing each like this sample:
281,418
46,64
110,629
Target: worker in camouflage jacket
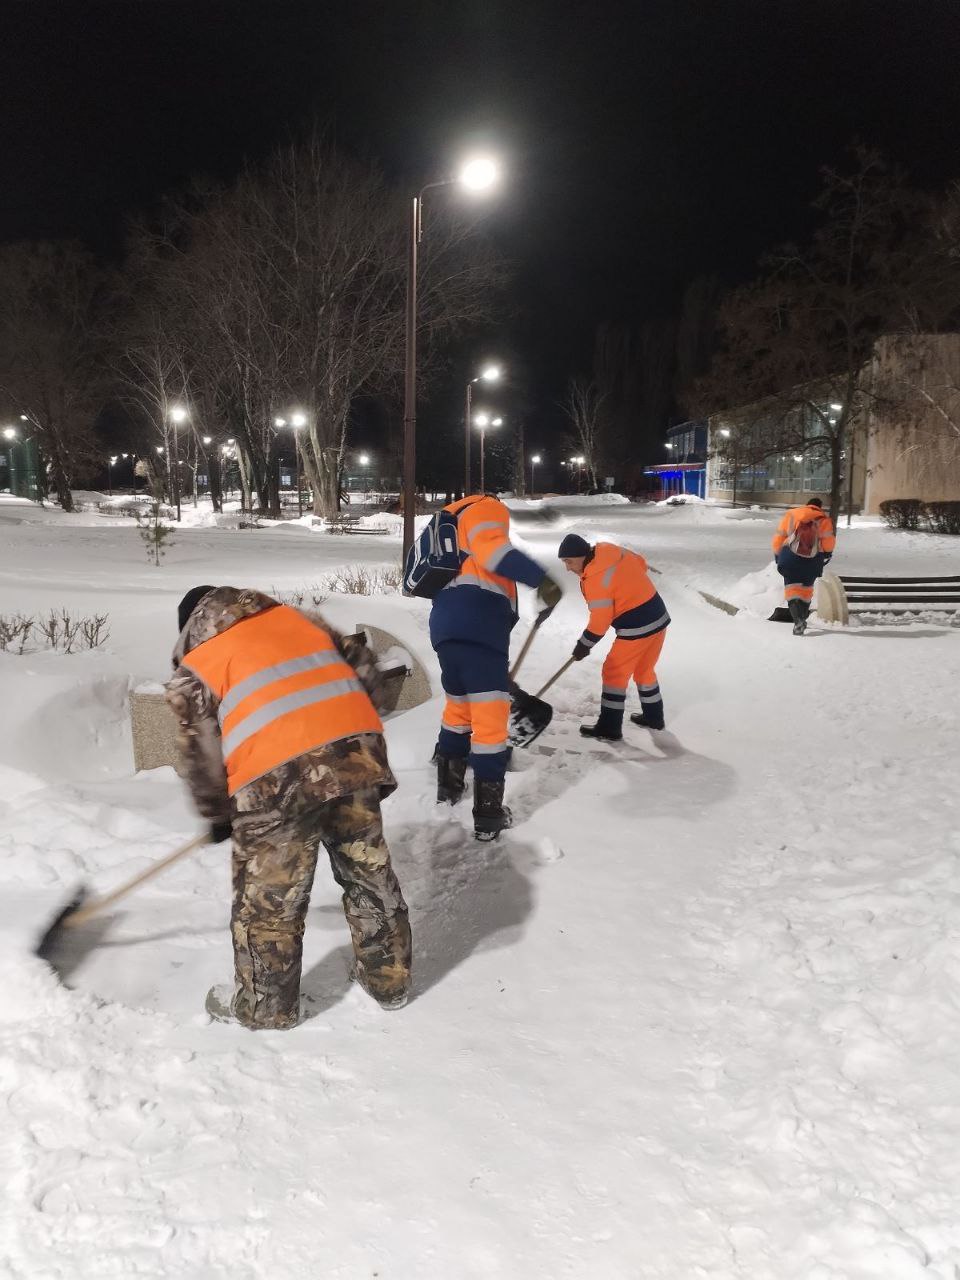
283,749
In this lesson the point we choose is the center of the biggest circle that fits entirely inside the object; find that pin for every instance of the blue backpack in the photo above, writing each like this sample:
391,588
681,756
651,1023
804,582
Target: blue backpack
435,558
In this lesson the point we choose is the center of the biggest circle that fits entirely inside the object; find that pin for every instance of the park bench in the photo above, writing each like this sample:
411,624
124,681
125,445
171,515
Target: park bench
859,595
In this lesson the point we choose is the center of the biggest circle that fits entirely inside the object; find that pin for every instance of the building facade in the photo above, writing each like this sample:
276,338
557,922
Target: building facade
906,443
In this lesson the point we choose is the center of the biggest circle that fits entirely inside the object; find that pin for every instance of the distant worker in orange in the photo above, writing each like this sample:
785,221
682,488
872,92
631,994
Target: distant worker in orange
802,546
619,593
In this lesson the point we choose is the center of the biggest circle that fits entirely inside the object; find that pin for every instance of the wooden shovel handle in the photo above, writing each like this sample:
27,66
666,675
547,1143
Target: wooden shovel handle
91,909
556,676
540,619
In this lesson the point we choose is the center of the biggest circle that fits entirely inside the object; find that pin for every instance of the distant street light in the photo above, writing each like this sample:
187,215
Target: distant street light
477,174
490,374
297,420
9,433
534,463
483,421
178,415
111,463
206,440
725,432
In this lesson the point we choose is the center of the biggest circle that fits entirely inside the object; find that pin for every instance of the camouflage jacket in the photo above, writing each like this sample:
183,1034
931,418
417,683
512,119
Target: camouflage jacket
340,768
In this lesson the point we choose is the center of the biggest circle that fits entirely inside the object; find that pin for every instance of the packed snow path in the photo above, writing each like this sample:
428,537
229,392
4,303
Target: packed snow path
696,1016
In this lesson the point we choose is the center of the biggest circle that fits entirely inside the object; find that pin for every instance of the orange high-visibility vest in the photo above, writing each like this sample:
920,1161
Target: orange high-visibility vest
483,530
283,688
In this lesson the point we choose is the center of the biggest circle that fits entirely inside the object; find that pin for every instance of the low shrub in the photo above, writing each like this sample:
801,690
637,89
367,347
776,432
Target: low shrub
902,513
20,633
942,517
351,580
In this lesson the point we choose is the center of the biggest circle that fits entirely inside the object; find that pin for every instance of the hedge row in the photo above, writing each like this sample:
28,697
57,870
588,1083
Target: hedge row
911,513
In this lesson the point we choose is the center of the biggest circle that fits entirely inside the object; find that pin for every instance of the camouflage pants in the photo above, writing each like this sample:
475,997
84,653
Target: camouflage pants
274,860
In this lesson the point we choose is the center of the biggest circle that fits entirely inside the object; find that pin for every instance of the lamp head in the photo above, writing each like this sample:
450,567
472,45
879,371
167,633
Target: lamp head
479,173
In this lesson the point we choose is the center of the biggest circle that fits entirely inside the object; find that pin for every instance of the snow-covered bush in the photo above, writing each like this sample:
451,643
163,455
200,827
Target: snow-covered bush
20,633
902,513
942,517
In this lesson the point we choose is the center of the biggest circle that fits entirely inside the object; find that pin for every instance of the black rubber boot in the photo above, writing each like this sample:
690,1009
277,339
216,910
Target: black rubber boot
799,612
490,814
451,774
609,727
638,717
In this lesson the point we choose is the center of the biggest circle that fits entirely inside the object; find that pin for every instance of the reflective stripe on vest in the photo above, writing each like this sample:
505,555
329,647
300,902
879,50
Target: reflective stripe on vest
283,689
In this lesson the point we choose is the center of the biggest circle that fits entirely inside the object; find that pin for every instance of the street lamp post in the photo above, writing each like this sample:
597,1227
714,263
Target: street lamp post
477,175
111,463
177,415
534,463
483,421
297,421
364,460
490,374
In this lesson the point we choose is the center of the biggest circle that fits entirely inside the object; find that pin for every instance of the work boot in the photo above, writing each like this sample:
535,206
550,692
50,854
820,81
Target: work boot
451,772
387,995
640,718
799,611
220,1006
609,726
490,814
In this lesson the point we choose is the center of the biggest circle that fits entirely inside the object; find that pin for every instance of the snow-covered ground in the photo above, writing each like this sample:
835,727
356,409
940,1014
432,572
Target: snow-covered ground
697,1016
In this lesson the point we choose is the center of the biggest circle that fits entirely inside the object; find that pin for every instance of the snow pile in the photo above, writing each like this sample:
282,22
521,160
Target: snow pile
587,500
695,1015
682,500
382,520
759,593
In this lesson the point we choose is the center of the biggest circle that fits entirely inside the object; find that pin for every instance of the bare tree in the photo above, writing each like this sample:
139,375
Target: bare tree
288,289
583,406
793,344
51,365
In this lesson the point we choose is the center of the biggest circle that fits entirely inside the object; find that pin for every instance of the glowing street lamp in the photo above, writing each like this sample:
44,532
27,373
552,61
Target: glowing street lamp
483,421
111,463
490,374
178,415
9,433
725,432
297,420
534,463
477,174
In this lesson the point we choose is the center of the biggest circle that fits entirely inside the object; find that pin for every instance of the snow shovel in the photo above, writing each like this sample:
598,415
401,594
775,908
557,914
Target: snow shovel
528,715
63,949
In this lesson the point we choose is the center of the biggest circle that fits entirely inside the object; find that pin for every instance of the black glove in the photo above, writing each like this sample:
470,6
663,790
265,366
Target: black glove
220,831
549,592
580,651
827,557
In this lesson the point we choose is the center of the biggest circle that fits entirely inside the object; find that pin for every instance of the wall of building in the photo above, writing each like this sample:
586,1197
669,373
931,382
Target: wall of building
914,430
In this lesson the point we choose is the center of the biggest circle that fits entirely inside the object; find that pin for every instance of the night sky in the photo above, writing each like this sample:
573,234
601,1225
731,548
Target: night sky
645,143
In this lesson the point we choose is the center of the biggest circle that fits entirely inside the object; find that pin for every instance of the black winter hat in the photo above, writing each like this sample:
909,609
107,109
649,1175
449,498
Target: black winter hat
814,502
574,545
190,602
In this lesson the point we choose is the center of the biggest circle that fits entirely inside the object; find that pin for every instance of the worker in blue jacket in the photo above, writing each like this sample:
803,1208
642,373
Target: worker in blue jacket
470,626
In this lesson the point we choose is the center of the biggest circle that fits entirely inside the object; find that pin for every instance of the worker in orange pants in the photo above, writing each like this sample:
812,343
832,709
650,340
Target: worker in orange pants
618,591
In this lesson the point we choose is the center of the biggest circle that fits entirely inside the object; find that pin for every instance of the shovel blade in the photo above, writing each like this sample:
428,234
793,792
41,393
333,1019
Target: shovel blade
64,946
529,716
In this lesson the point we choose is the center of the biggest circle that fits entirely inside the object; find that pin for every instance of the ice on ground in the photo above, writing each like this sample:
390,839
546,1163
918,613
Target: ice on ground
696,1015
